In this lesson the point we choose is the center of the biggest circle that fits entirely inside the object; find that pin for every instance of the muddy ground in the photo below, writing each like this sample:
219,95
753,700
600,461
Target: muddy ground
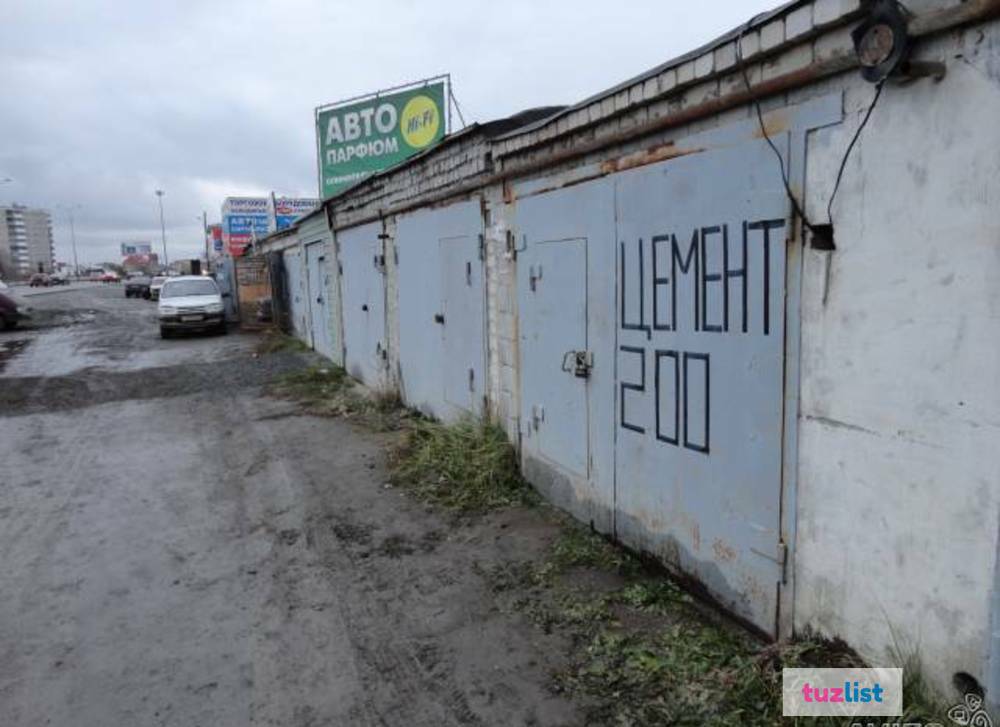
186,543
181,549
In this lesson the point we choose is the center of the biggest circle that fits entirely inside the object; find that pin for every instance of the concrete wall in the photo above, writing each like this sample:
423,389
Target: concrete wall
899,476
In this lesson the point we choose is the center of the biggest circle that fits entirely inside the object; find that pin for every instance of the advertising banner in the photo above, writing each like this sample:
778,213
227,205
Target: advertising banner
356,139
136,248
243,220
215,234
287,210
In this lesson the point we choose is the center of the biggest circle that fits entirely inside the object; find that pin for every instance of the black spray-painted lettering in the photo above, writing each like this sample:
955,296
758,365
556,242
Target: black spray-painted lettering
714,272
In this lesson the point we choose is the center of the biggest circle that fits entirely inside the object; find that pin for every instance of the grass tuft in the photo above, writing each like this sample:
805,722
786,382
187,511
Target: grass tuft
578,547
274,342
313,385
328,391
469,466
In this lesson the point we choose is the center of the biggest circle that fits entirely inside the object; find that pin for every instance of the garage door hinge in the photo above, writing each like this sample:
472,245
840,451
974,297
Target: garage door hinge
781,560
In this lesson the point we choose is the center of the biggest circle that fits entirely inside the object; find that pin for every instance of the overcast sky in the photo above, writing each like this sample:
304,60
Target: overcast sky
104,102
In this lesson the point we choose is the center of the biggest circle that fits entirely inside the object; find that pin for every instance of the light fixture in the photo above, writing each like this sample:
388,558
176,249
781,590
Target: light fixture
882,41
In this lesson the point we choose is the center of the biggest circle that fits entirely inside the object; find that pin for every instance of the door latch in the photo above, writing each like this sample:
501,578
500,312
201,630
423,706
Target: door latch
534,276
537,416
578,363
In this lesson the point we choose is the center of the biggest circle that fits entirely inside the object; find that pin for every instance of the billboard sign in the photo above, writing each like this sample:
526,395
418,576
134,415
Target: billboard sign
136,248
243,220
287,210
358,138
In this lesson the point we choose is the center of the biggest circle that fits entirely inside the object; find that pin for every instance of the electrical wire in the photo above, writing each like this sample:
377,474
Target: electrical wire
781,161
763,128
850,148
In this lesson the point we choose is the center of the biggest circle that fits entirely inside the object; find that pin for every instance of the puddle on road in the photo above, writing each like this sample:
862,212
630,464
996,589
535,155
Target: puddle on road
10,348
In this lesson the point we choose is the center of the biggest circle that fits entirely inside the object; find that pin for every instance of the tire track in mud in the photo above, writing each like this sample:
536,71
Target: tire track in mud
93,386
431,646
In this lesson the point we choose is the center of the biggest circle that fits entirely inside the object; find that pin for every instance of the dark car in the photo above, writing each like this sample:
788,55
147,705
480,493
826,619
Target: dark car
137,288
10,311
39,280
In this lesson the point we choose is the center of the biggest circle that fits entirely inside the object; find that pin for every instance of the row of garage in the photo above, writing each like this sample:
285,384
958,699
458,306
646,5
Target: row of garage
628,287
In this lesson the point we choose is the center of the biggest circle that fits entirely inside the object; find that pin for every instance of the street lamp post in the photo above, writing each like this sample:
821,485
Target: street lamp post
204,234
72,234
163,229
72,237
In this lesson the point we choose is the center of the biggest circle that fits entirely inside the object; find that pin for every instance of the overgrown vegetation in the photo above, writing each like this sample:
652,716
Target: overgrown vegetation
328,391
646,652
273,341
311,386
469,466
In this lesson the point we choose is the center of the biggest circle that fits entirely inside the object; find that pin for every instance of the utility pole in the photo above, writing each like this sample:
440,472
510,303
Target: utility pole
163,229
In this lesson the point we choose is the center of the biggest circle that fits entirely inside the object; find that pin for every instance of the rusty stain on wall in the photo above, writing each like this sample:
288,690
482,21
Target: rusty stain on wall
658,153
723,551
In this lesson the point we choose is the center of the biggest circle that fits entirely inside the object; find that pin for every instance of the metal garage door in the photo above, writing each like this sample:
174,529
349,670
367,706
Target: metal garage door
318,272
363,294
441,344
701,317
565,298
298,296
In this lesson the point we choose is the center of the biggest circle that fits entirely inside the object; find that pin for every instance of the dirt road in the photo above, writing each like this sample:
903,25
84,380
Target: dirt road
180,549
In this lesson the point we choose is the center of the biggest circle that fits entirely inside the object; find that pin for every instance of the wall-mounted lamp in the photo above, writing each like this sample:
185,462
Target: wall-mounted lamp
882,41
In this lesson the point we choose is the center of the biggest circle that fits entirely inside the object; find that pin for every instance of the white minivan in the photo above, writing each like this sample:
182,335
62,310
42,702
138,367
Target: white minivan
190,302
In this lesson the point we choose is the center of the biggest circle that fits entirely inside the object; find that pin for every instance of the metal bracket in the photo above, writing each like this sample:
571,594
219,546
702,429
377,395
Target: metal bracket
482,247
512,248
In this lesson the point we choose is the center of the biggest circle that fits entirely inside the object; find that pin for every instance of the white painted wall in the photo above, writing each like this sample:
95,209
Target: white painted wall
899,459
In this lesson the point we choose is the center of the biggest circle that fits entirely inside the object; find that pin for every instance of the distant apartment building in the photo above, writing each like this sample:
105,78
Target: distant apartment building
26,243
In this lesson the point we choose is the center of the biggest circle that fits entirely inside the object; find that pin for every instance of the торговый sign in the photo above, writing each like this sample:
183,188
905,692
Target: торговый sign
358,139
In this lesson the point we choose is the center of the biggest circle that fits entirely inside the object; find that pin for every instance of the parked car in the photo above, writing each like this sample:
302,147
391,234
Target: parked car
110,277
190,302
137,288
39,280
12,310
154,287
58,279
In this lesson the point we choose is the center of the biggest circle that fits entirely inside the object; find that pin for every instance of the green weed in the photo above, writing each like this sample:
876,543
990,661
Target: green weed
469,466
272,341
